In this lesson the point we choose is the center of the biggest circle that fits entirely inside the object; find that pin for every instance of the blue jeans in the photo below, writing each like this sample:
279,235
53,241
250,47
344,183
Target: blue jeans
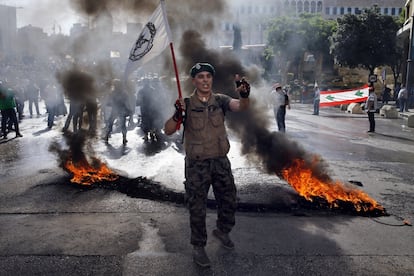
316,107
51,110
280,114
402,103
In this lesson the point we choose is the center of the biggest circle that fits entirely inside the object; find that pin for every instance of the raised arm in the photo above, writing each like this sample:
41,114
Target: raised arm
243,88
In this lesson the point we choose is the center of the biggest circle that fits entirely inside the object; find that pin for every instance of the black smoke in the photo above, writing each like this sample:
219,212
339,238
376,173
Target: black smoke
77,85
200,14
273,149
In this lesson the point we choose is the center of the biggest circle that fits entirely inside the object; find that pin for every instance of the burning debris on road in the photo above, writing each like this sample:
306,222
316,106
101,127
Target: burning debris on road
315,192
85,173
85,170
145,188
336,194
306,173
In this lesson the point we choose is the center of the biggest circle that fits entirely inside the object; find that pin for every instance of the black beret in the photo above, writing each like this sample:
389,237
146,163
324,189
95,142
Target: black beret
201,67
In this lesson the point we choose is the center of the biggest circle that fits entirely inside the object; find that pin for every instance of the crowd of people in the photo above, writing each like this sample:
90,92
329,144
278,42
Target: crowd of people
37,88
116,107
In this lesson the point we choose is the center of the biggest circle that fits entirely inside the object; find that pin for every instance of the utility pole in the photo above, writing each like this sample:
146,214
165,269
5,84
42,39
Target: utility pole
409,80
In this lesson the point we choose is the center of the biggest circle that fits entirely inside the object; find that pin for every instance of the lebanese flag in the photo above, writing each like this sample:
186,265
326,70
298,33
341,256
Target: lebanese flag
338,97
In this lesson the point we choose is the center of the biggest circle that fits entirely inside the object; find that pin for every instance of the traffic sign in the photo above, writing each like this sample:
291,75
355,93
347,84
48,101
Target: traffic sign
373,78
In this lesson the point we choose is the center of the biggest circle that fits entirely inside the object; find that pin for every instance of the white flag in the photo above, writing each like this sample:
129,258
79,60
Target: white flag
151,42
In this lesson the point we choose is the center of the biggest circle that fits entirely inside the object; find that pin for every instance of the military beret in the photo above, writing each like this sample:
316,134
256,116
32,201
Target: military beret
201,67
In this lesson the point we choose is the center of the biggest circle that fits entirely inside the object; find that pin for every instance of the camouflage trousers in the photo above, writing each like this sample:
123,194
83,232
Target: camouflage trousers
199,176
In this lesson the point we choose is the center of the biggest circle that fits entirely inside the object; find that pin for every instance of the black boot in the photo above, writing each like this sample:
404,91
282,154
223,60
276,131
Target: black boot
200,256
224,238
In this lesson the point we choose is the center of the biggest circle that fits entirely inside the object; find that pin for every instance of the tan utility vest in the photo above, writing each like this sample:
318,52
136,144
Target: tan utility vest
205,134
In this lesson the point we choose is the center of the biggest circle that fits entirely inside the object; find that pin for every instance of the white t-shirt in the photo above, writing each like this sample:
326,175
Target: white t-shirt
317,94
278,98
372,97
403,93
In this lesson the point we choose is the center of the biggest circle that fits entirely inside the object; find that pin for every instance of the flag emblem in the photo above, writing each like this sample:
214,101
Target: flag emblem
144,43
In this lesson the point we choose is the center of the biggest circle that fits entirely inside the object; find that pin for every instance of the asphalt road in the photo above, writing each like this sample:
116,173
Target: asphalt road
49,226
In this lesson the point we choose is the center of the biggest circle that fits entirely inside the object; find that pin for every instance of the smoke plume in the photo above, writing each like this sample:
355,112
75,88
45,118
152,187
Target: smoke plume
273,149
199,14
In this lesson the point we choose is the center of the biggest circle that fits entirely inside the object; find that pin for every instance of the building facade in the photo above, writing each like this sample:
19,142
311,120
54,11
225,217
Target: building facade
8,27
405,37
252,15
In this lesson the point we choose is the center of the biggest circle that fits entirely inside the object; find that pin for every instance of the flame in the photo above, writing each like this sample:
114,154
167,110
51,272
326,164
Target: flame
87,174
302,179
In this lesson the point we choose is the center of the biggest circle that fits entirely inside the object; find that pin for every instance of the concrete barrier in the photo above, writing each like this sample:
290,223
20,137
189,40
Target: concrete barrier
389,111
410,121
354,108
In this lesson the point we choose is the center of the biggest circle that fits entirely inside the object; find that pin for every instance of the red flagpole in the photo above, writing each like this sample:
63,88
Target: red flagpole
180,95
177,77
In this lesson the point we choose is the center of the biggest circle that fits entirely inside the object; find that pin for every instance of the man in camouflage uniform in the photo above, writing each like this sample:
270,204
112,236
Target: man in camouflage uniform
206,163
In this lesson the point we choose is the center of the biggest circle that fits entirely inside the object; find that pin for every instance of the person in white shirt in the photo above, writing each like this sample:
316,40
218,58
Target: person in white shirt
371,107
402,98
280,100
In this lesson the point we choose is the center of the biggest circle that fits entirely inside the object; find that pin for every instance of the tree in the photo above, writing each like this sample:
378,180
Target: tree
365,40
317,34
289,38
396,59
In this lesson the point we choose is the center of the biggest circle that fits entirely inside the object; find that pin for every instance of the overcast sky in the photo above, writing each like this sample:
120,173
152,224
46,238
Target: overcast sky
45,13
61,14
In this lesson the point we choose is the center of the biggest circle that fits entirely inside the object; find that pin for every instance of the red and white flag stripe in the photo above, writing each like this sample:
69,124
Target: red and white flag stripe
338,97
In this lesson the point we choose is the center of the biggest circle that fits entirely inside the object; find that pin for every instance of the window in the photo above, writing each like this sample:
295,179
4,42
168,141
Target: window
286,6
393,11
349,10
342,10
335,11
313,7
300,7
319,9
386,11
306,6
327,11
293,6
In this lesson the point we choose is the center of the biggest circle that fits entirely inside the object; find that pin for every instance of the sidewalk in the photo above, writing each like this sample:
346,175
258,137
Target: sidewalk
406,114
391,128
